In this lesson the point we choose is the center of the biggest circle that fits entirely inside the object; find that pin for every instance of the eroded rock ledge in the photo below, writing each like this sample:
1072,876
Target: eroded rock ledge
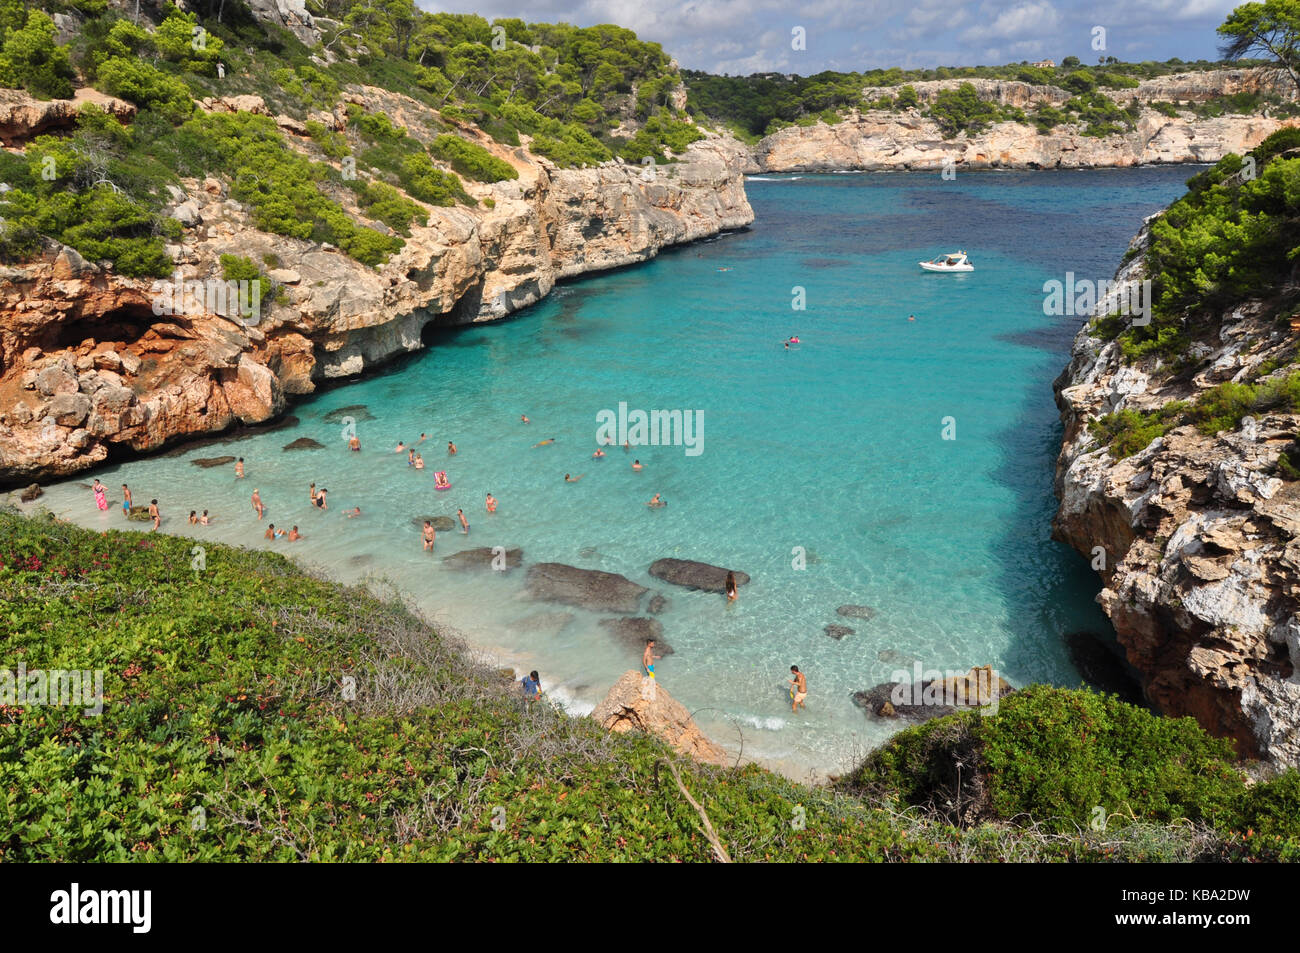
1202,561
86,365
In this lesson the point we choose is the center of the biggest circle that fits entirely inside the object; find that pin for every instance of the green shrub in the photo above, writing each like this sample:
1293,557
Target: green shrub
239,268
471,160
31,60
145,85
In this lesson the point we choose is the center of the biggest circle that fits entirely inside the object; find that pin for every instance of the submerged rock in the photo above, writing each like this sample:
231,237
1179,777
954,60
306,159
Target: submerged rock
586,588
304,443
636,703
695,575
1102,668
658,603
483,557
355,411
632,631
895,657
140,514
856,612
209,462
543,623
440,523
838,632
31,493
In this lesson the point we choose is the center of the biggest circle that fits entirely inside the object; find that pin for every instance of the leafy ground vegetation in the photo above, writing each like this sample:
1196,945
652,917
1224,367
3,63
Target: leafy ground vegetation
585,95
254,712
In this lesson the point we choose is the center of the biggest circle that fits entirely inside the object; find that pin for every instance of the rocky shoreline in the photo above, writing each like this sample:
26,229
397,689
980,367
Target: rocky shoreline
1195,536
88,368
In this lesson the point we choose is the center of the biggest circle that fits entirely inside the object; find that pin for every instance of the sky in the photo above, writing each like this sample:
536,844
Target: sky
739,37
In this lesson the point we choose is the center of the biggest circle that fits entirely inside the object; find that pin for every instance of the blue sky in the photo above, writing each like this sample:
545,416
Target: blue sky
747,36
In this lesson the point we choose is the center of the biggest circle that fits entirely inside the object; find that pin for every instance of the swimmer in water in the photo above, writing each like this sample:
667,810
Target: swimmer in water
491,503
911,317
451,449
272,532
400,447
422,438
294,535
203,520
523,418
194,518
569,479
419,462
354,444
430,536
626,446
355,511
636,465
544,442
656,501
440,479
464,521
598,454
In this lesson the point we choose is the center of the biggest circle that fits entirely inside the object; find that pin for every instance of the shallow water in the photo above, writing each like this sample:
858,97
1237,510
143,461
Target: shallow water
833,448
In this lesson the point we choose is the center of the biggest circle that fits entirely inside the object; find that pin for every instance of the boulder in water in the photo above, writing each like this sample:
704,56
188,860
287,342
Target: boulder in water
30,493
658,603
838,632
856,612
483,558
139,514
586,588
209,462
304,443
355,411
632,631
934,698
440,523
695,575
637,703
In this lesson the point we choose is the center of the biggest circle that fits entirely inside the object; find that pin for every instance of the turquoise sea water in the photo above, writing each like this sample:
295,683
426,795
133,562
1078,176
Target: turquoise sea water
834,446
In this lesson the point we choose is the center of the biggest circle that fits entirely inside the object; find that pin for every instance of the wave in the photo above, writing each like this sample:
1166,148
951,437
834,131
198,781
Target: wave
771,723
770,178
572,705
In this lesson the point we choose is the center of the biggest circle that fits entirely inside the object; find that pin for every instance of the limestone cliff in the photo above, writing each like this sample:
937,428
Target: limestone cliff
874,140
87,364
1199,539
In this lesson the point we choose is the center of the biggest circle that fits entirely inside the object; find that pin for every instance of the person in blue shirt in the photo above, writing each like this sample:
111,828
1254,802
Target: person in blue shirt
532,685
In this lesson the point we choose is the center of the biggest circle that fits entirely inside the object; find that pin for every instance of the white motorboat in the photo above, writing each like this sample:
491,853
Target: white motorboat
954,262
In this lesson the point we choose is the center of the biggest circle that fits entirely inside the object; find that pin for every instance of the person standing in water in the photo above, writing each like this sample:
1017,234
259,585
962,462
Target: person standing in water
464,522
451,449
239,469
731,586
155,514
258,508
100,500
320,498
491,503
194,517
294,535
203,520
354,444
430,536
126,501
311,494
798,689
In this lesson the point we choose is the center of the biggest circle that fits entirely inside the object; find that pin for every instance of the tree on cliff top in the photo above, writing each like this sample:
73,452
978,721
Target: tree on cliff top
1271,28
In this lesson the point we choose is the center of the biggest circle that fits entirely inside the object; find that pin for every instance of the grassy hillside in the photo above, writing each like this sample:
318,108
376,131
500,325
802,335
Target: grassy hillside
253,711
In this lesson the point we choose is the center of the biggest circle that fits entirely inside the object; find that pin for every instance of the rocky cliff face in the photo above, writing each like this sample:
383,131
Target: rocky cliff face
876,140
636,703
88,364
1200,541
